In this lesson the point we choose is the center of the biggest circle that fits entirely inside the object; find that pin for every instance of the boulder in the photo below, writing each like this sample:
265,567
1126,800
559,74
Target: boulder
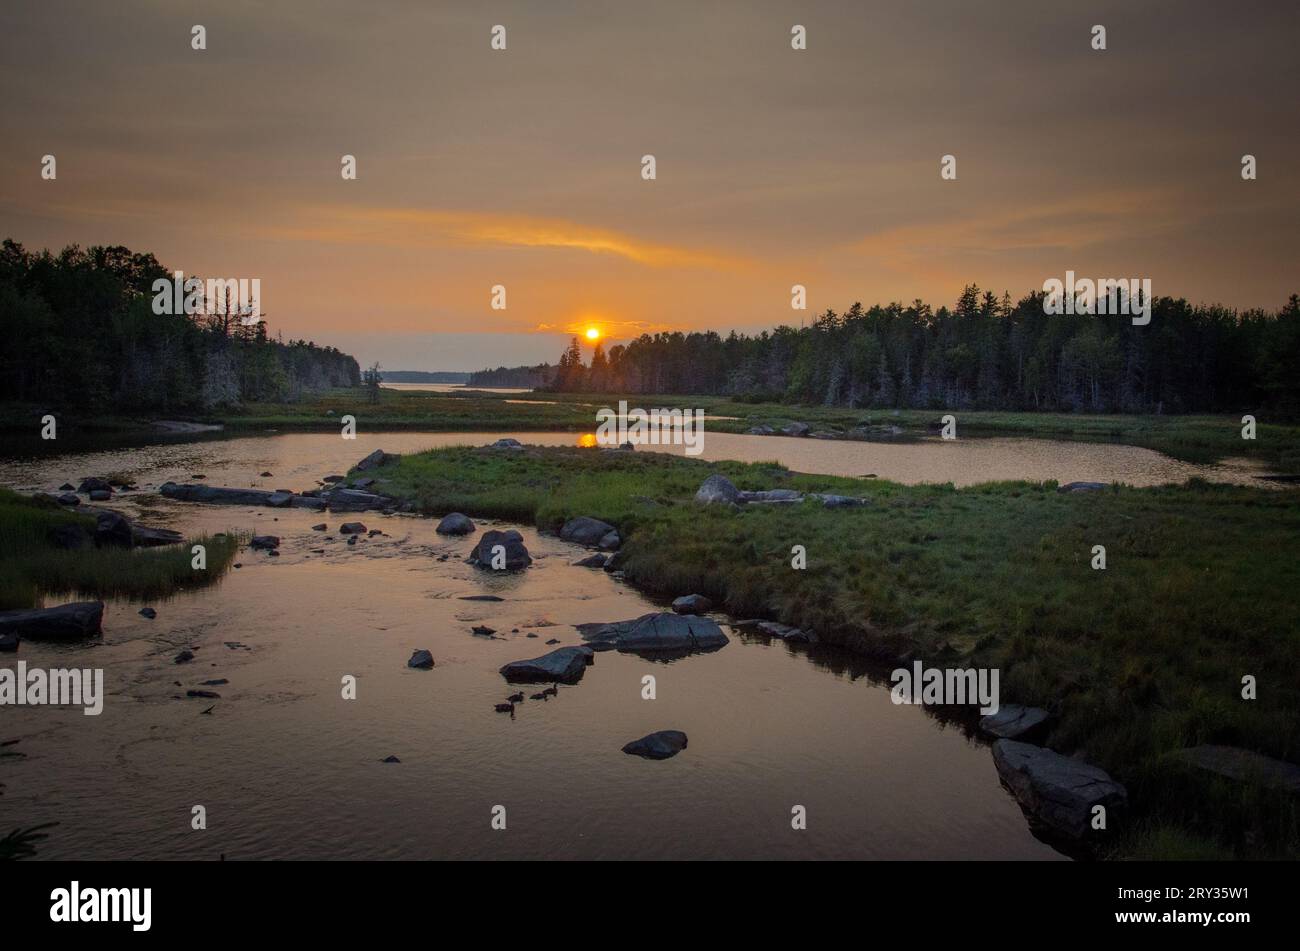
838,501
1244,766
454,523
67,622
769,496
506,444
1014,722
100,495
420,660
149,613
352,528
564,665
611,541
320,528
592,561
795,635
692,604
652,633
1082,487
1055,791
112,529
307,502
376,459
585,530
797,429
717,489
264,542
69,498
517,556
660,745
354,500
761,431
93,484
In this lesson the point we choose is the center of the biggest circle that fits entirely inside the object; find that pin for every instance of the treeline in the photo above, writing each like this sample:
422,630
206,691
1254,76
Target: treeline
985,353
81,333
536,377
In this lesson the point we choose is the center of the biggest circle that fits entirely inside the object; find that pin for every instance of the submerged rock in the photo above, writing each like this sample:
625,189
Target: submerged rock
264,542
660,745
67,622
585,530
516,554
564,665
455,523
656,632
592,561
184,657
1013,722
420,660
149,613
1056,791
352,528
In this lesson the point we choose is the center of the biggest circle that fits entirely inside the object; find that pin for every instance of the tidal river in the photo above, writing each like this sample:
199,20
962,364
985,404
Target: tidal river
286,768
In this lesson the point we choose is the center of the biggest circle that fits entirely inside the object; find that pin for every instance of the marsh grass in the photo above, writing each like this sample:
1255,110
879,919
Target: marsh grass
31,566
1136,661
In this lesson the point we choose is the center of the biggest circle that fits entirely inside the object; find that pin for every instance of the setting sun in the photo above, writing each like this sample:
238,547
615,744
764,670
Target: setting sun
593,333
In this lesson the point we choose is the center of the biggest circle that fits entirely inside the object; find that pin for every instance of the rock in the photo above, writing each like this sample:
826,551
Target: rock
100,495
483,631
203,694
352,540
149,613
9,642
656,632
322,527
838,501
785,632
779,496
797,429
75,621
610,541
506,444
454,523
112,529
1082,487
354,500
592,561
94,485
352,528
660,745
692,604
308,502
334,478
1014,722
390,759
717,488
564,665
69,498
267,475
279,499
184,657
1244,766
1056,791
376,459
761,431
585,530
264,542
553,640
480,597
219,495
144,537
516,555
66,487
420,660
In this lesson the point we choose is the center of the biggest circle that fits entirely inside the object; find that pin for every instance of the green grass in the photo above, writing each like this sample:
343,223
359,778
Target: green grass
1137,661
31,566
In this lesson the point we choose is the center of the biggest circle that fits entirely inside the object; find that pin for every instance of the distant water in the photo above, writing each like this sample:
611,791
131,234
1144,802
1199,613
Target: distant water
454,388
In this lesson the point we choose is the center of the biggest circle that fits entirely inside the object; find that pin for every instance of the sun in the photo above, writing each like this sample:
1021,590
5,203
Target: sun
593,333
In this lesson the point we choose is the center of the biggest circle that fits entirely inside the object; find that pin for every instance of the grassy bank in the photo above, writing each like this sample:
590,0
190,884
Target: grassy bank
1137,661
1197,439
31,566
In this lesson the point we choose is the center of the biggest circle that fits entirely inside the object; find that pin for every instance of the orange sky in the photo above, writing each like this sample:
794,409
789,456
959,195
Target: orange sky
522,167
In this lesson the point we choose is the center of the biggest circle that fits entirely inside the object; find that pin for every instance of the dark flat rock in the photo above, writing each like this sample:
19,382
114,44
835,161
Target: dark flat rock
67,622
564,665
1012,721
1057,792
420,660
585,530
1244,766
652,633
660,745
692,604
